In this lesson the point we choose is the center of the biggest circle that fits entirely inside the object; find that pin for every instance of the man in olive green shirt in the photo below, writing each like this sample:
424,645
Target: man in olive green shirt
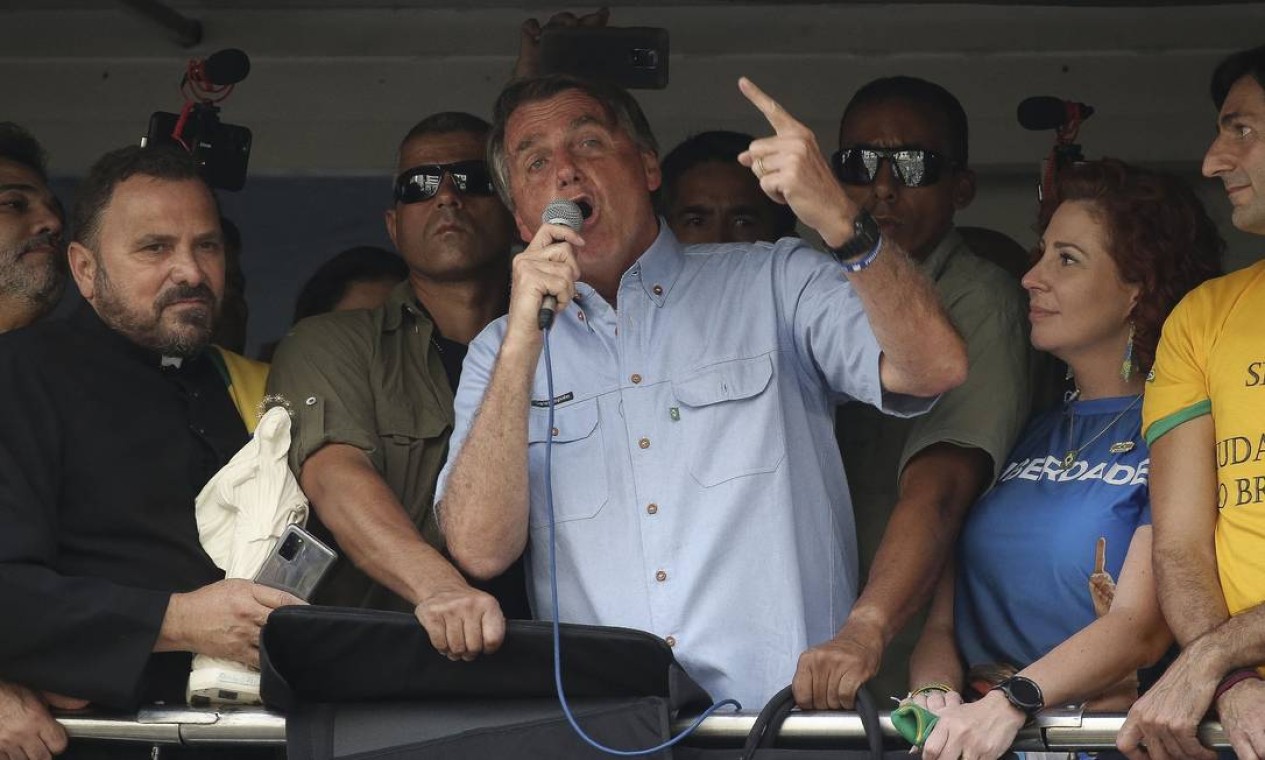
372,394
912,481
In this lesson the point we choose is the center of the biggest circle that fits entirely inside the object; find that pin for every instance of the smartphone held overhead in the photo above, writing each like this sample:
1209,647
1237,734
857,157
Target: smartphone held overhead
634,57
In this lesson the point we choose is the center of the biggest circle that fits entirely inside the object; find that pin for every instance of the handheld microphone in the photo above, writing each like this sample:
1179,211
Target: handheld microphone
1047,112
223,67
570,215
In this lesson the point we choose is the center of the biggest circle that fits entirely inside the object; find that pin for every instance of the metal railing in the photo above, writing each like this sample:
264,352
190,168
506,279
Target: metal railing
1063,730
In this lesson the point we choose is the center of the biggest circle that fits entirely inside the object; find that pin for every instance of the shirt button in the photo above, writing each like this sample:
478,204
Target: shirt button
652,509
644,443
554,431
311,401
580,316
661,576
635,378
658,290
670,641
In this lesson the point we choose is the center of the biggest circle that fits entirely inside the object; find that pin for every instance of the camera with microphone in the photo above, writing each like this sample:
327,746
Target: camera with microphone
1044,112
221,150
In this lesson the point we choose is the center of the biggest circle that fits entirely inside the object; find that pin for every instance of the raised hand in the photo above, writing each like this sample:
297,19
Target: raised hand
792,170
528,63
547,266
1102,587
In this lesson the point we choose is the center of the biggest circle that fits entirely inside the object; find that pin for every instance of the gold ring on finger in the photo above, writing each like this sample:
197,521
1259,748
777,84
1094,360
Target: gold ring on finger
759,168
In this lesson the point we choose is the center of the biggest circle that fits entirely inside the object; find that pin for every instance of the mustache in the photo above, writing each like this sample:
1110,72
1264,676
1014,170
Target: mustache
42,240
184,293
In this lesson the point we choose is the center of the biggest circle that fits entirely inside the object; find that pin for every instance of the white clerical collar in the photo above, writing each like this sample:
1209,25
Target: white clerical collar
172,361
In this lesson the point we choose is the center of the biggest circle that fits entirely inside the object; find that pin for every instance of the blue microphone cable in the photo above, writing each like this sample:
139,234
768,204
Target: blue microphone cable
553,590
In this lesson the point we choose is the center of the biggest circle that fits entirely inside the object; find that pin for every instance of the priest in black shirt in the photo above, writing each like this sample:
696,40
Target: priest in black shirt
113,420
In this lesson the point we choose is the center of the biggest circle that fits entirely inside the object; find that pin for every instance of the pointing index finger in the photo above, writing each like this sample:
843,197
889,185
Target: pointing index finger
776,115
1100,555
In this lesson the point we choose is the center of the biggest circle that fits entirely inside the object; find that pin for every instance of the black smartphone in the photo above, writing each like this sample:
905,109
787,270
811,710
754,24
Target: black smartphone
633,57
297,563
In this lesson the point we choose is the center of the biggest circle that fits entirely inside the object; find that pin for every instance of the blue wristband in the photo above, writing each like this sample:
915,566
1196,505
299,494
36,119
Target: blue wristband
857,265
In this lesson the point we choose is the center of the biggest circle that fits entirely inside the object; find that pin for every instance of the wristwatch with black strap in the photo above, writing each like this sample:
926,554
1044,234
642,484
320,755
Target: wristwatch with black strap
1023,694
862,248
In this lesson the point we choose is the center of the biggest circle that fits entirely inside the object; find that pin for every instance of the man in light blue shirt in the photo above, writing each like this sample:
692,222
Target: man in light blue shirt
697,488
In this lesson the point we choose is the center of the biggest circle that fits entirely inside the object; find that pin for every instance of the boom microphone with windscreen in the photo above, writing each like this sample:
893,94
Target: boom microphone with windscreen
224,67
1047,112
570,215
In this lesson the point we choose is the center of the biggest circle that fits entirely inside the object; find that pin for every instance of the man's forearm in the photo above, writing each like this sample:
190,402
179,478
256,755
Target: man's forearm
935,658
1184,513
938,486
1239,642
923,355
1190,593
485,508
370,524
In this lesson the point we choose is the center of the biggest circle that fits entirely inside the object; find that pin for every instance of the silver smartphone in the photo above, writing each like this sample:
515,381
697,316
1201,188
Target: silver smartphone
297,563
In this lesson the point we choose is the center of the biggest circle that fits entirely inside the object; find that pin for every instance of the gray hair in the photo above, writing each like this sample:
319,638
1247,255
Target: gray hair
620,107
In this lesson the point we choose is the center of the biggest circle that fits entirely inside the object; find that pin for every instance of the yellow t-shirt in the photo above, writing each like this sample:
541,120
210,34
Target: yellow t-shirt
1211,360
246,381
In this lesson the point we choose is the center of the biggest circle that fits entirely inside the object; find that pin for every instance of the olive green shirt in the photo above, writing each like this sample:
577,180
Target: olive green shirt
986,412
372,379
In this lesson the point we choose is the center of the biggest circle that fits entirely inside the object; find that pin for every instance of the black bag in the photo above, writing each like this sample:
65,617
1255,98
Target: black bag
360,683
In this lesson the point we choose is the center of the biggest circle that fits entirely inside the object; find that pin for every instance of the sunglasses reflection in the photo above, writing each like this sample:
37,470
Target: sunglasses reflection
913,167
421,183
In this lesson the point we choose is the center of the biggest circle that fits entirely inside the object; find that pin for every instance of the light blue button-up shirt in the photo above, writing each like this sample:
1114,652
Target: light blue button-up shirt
697,486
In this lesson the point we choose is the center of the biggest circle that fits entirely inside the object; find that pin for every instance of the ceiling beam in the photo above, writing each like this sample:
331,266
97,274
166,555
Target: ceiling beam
188,31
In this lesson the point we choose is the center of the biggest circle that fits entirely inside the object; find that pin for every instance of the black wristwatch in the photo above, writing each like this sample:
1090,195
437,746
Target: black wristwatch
1023,693
864,243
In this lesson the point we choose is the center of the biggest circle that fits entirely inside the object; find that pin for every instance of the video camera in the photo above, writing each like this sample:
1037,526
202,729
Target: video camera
221,150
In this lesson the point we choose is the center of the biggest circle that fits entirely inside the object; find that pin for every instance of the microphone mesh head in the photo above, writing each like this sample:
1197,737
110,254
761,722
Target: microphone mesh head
226,67
563,212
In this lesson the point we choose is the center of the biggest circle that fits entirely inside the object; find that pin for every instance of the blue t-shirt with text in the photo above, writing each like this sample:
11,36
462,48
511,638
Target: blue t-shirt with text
1028,547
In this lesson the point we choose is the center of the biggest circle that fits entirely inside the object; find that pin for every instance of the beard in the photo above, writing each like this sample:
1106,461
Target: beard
37,281
183,334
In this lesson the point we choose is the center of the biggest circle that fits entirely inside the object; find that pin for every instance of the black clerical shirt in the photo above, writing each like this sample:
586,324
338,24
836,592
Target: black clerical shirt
102,454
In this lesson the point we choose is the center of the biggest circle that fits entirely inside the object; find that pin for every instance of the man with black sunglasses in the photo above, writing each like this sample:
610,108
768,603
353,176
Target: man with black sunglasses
903,158
372,392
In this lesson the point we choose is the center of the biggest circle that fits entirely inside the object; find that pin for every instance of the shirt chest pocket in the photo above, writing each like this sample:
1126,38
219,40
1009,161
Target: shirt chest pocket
579,464
732,420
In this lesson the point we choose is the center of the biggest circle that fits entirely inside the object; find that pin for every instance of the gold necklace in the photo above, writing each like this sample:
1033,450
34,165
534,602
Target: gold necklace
1069,458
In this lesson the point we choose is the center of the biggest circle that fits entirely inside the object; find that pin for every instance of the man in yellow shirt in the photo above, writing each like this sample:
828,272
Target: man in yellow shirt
1204,418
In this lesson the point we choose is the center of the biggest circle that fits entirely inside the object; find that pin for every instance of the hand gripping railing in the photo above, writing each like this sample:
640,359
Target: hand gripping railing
1062,730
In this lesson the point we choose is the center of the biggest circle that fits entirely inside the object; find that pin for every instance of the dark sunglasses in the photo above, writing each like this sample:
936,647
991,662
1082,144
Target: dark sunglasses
421,183
914,167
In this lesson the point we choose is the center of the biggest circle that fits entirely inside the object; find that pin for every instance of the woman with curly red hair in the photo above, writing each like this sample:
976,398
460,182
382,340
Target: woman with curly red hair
1052,599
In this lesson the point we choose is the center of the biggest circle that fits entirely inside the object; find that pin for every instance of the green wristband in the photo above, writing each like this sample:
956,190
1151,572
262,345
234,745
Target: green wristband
914,722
